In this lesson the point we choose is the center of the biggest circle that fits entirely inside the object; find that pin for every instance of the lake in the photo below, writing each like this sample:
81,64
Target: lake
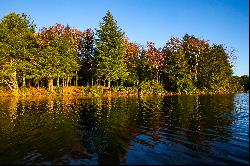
207,129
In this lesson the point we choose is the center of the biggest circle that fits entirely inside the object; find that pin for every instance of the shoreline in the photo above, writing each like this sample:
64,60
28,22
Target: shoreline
79,92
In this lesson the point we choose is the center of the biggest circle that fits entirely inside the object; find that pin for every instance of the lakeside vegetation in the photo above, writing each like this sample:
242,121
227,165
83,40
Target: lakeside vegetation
61,60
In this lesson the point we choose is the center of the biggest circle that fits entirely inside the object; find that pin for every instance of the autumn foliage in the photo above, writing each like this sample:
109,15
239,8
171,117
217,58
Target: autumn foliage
62,56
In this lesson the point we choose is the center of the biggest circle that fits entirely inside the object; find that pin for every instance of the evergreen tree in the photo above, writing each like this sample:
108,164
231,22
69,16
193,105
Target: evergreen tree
110,51
17,48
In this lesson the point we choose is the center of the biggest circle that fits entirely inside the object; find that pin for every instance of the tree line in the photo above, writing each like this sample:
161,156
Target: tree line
64,56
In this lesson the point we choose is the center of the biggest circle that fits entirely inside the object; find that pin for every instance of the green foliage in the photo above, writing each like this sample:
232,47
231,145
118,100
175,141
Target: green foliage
86,89
24,89
17,47
110,50
192,63
57,56
98,90
118,88
187,65
86,53
59,90
132,90
152,87
244,82
178,77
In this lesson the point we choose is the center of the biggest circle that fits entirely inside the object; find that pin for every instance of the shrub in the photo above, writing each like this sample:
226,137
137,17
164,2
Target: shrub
86,89
24,89
59,90
118,89
96,89
152,87
132,90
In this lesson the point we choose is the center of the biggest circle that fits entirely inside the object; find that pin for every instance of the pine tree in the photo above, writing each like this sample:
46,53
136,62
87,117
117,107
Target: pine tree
110,51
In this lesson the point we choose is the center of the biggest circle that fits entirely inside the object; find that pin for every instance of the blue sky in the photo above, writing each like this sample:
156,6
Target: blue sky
219,21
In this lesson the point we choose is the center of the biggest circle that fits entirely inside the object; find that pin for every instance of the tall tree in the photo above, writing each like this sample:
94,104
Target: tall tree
194,49
86,53
17,48
177,74
110,50
131,59
218,68
156,60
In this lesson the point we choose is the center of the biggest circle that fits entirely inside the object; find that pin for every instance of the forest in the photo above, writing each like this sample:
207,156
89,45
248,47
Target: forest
62,56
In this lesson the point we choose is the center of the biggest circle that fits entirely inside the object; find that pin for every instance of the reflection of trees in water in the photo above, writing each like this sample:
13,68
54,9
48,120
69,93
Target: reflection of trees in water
105,131
40,132
180,119
150,113
108,132
7,115
59,130
198,119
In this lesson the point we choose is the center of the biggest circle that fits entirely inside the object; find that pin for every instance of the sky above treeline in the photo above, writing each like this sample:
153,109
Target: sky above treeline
219,21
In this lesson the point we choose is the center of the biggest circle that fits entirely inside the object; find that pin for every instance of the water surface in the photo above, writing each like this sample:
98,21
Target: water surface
119,130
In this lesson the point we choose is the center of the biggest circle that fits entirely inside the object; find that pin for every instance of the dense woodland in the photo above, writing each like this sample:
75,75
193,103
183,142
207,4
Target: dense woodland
60,55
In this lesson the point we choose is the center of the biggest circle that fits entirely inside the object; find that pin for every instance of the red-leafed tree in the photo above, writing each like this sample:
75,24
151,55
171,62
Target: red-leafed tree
156,60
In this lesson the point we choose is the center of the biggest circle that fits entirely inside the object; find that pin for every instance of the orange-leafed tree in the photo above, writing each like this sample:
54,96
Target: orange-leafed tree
156,60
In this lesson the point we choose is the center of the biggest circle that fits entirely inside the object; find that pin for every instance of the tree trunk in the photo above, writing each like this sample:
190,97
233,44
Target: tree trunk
58,81
76,79
67,82
195,76
42,84
50,84
157,76
139,88
13,76
63,82
14,81
195,68
24,82
109,84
